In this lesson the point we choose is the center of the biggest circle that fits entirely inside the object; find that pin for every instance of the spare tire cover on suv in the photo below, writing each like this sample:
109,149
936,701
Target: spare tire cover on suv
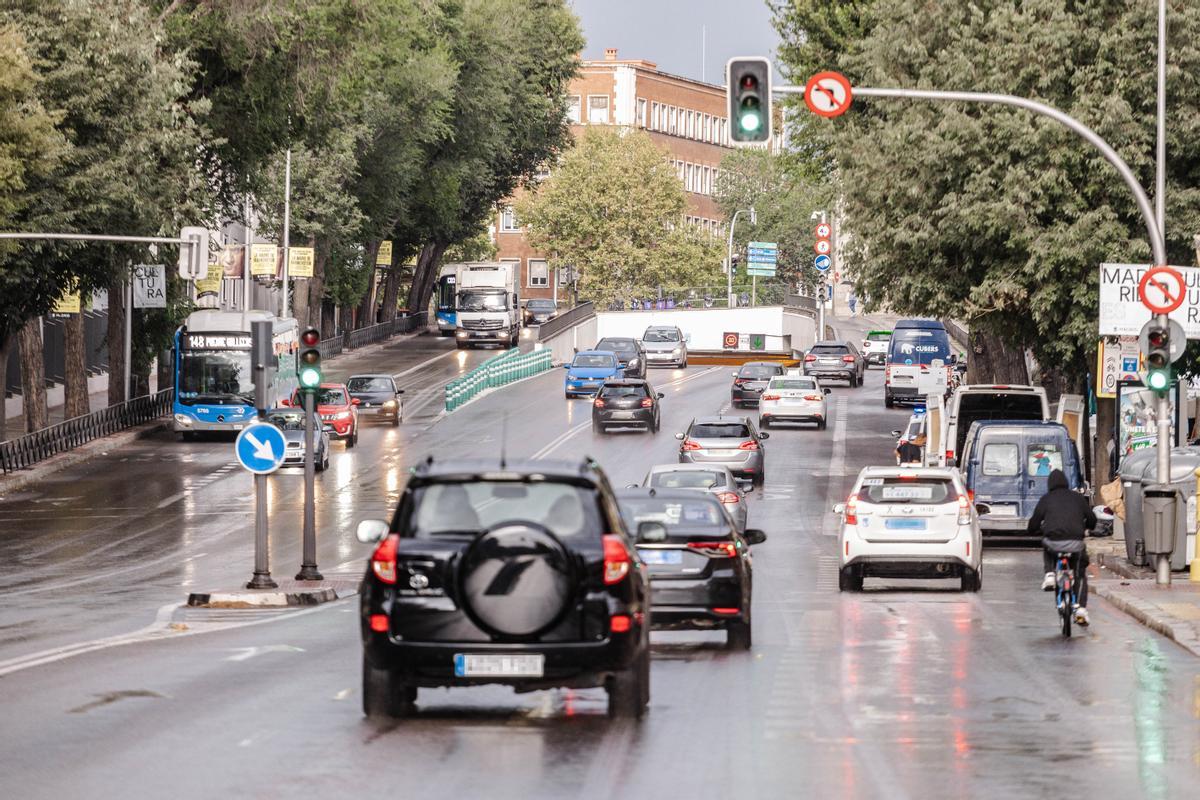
517,579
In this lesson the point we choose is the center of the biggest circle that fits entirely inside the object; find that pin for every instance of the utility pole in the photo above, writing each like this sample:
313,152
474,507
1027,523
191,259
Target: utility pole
729,252
287,220
1163,567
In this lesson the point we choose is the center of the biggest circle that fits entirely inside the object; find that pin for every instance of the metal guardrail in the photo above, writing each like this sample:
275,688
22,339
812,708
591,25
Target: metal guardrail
567,319
496,371
800,302
362,337
31,448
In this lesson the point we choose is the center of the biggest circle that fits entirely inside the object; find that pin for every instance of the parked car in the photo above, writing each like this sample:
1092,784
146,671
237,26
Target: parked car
715,479
665,345
588,370
629,352
1006,465
377,396
909,522
875,347
335,409
750,380
701,572
838,360
291,422
519,573
626,403
539,310
731,441
794,398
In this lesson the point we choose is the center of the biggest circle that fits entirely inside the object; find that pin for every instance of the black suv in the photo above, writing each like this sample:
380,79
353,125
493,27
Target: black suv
629,352
624,403
750,381
519,574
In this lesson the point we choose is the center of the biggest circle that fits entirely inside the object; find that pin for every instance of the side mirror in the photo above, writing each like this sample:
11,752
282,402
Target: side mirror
896,434
839,508
399,392
371,530
764,435
828,390
632,486
354,401
734,374
679,436
661,395
566,366
754,536
574,349
982,509
651,532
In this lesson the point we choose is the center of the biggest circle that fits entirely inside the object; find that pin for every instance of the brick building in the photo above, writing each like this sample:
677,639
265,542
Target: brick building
684,116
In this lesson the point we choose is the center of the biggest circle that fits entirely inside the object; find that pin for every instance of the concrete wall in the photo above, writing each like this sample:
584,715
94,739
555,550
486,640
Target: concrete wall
704,326
564,345
801,331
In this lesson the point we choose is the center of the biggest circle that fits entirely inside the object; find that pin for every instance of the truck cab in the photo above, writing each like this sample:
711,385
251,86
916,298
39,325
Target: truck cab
487,307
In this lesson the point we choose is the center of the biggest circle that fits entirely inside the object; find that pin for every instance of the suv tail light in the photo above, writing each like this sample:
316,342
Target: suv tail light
852,510
738,382
647,402
598,403
848,359
750,445
690,444
616,560
964,510
812,398
383,560
770,397
809,358
718,549
728,497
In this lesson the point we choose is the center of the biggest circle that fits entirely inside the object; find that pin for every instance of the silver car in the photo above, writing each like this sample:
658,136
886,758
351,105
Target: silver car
732,441
715,479
665,345
291,422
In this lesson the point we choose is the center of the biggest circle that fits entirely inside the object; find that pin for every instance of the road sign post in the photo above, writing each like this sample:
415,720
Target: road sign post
260,449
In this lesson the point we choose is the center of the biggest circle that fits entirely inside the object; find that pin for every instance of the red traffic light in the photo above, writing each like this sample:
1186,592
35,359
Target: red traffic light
1157,338
749,82
311,337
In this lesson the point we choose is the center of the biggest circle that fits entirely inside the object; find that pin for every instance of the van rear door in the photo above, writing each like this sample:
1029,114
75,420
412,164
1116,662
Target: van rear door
1071,413
935,434
997,474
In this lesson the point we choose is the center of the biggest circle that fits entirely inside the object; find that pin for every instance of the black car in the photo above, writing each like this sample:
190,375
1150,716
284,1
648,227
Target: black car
376,397
750,380
699,564
626,403
539,310
629,352
517,573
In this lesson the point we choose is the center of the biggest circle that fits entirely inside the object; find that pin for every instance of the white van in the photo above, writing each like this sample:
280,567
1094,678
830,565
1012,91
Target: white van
977,402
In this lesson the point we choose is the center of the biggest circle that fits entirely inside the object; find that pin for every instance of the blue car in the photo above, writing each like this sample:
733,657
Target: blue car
589,369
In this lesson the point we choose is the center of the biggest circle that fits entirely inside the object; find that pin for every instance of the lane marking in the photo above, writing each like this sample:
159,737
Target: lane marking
424,364
837,466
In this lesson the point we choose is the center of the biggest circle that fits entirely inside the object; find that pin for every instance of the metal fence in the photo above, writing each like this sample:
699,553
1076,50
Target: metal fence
496,371
565,320
31,448
800,302
362,337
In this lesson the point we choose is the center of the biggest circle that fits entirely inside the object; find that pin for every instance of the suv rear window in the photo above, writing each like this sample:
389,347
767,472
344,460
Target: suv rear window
623,391
830,350
793,383
720,430
890,491
760,372
878,337
661,335
699,514
687,479
465,509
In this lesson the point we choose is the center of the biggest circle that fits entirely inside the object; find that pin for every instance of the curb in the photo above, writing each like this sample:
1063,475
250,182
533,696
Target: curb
97,447
269,598
1152,617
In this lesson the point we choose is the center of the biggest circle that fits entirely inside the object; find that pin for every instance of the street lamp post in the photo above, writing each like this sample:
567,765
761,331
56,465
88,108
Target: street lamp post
729,252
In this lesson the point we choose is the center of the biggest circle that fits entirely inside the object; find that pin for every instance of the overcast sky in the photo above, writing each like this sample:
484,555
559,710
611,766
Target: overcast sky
669,32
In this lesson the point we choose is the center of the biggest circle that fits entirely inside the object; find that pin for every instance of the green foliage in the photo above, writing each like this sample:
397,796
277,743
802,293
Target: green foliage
613,208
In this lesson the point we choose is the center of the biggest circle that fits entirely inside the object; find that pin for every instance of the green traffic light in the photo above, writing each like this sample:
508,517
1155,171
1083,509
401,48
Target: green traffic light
1158,380
310,377
750,121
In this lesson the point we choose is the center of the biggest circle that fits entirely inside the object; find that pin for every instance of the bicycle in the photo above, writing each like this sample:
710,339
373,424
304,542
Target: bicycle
1066,591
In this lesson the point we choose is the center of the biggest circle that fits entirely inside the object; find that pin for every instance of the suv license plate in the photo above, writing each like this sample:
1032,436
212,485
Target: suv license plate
658,557
467,665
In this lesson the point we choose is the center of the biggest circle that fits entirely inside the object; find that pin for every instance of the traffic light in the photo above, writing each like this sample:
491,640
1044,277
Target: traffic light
308,365
748,91
1158,356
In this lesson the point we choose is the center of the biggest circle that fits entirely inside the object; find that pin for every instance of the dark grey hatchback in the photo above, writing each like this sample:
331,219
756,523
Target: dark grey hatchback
626,404
750,381
519,574
699,564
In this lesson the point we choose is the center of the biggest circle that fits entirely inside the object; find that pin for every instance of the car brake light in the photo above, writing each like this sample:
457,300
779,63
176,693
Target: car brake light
848,359
738,382
616,560
726,611
383,560
379,623
852,510
770,397
971,495
647,402
620,623
717,549
598,403
750,445
964,510
690,444
810,357
812,397
728,497
949,454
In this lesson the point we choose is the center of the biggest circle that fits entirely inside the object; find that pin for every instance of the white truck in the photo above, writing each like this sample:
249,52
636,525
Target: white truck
486,304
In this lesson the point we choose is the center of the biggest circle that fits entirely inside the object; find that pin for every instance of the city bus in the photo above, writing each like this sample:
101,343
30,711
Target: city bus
447,319
214,381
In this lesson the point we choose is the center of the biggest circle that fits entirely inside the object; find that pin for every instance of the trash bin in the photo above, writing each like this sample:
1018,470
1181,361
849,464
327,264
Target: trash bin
1134,468
1184,461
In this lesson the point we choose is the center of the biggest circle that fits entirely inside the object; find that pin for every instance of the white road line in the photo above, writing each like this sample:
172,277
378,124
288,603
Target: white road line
175,498
837,466
425,363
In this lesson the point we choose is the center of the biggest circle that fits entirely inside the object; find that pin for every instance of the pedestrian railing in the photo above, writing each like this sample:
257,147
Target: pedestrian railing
495,372
566,320
27,450
377,333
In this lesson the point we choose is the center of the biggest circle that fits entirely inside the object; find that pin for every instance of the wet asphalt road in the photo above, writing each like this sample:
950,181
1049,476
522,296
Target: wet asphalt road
909,689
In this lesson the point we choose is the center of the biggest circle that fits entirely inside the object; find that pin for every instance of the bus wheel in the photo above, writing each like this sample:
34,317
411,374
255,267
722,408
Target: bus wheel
189,436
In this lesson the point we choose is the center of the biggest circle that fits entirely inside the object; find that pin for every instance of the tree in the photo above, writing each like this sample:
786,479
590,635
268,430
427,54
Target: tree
613,209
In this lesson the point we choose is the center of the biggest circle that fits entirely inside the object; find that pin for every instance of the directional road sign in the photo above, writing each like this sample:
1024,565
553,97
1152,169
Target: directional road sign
753,259
760,272
260,448
765,245
821,262
1162,290
828,94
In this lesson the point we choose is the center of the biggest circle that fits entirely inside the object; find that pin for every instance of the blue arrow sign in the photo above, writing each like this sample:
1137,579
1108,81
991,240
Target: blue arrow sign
821,263
761,259
762,251
260,448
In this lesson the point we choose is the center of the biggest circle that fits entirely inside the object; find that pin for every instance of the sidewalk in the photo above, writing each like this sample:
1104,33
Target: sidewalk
1173,611
15,424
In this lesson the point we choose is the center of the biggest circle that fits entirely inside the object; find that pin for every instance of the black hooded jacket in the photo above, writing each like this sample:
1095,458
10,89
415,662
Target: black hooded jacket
1061,513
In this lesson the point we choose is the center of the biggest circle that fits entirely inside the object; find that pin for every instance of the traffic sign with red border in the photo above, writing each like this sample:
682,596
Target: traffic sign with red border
822,247
828,94
824,230
1162,290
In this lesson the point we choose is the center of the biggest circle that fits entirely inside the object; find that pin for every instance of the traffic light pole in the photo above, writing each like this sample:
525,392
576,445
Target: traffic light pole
308,565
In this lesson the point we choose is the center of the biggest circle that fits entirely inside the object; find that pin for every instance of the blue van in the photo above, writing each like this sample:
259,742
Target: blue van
1006,464
909,372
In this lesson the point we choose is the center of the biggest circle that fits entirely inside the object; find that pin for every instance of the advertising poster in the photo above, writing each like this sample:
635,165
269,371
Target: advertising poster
1137,422
264,258
233,261
300,262
384,257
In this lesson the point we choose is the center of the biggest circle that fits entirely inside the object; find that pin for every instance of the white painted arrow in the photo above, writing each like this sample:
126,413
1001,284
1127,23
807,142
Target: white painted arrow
246,653
261,449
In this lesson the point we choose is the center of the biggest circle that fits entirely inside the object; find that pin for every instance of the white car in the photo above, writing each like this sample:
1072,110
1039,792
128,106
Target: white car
909,522
793,398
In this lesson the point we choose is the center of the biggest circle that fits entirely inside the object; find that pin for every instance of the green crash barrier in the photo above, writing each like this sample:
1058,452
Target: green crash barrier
497,371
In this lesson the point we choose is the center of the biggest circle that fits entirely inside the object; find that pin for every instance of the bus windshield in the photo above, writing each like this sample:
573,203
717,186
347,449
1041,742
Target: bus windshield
215,376
445,293
919,346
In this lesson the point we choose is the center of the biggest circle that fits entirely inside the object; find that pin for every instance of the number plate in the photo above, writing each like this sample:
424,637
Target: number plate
905,524
1003,511
661,557
468,665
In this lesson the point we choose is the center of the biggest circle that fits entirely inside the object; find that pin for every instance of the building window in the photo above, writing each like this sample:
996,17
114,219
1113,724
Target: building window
706,120
690,182
598,109
539,274
679,169
641,112
673,120
573,112
654,116
508,220
691,125
706,181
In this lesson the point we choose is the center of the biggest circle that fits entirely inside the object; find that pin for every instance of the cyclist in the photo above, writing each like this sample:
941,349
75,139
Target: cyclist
1063,516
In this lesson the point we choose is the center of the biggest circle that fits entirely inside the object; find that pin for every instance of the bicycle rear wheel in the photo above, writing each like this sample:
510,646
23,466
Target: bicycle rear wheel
1065,611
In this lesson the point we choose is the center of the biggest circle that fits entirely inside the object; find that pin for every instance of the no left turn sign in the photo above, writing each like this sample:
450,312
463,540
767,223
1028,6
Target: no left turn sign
1162,290
828,94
